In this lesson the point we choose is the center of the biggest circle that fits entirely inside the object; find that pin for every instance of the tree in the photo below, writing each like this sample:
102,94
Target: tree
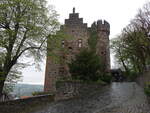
118,49
25,27
132,46
86,66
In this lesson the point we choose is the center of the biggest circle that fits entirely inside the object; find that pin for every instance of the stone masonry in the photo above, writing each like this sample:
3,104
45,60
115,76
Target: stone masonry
79,33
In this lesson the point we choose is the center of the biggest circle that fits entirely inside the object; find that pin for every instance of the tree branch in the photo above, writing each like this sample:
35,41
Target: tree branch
21,43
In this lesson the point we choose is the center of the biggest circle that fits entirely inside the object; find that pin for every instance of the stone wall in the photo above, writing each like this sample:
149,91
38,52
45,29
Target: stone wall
71,89
24,105
77,35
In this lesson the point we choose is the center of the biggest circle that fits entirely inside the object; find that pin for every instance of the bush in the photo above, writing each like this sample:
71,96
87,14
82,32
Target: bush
99,81
147,89
106,78
86,66
132,76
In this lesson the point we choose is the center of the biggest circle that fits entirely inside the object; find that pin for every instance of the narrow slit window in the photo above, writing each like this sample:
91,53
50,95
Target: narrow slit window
63,43
79,43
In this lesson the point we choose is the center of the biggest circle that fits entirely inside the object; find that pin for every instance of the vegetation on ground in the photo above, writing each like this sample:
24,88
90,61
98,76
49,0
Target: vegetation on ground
147,89
38,93
87,66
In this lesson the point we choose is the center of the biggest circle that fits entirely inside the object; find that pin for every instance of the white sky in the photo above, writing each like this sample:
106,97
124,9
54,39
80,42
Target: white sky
117,12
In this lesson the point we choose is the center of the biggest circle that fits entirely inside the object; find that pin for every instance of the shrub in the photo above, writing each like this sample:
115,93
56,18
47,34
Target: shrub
39,93
86,66
106,78
132,76
147,89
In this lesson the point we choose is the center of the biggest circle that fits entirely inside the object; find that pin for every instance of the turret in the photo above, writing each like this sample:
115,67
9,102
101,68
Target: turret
104,26
102,47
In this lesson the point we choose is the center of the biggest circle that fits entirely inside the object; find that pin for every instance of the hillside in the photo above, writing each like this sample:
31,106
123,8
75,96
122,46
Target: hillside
26,89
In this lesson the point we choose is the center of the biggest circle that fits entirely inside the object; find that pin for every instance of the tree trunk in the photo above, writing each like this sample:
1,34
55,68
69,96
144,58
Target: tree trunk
1,87
124,65
3,77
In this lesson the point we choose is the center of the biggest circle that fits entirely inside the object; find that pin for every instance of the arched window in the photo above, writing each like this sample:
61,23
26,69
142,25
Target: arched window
80,43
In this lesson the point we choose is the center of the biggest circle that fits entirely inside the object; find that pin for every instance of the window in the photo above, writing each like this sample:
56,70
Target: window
103,53
80,43
63,43
70,48
149,35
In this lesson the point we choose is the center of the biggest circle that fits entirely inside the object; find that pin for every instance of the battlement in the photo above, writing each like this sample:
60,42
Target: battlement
103,25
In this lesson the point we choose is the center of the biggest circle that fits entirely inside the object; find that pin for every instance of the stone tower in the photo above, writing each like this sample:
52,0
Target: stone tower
79,33
102,47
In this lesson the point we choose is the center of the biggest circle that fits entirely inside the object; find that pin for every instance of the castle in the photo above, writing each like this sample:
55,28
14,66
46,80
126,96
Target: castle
79,32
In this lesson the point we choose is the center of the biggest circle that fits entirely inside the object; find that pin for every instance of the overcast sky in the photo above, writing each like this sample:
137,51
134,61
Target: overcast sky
117,12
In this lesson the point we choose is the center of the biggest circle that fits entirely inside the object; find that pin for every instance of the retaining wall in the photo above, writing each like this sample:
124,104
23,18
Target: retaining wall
71,89
24,105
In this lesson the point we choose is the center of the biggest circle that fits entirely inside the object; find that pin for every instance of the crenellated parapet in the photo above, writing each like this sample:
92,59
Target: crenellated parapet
103,25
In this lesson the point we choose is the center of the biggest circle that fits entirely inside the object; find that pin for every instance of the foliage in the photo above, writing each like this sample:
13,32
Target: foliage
86,66
106,78
131,76
99,81
147,89
55,44
132,46
92,41
25,27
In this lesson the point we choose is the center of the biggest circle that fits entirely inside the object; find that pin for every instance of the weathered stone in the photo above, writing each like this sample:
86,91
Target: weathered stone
71,89
75,28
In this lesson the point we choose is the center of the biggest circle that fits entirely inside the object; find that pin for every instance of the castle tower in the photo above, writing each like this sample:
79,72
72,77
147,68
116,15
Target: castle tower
102,48
78,34
78,31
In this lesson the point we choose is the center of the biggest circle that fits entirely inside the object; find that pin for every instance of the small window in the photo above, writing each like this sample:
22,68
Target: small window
63,43
63,57
103,53
79,43
149,35
70,48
